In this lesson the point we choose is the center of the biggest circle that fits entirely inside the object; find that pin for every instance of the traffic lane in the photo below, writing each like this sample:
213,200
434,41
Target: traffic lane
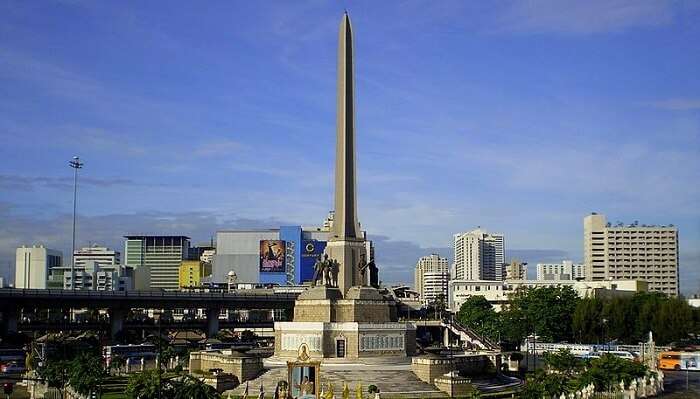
675,381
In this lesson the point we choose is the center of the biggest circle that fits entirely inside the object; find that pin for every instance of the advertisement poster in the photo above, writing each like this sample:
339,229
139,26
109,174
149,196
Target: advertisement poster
310,253
272,256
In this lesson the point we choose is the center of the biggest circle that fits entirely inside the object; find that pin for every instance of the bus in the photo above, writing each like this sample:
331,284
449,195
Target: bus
674,360
621,354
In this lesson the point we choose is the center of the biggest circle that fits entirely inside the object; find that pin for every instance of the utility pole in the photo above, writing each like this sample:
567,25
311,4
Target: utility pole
75,164
452,360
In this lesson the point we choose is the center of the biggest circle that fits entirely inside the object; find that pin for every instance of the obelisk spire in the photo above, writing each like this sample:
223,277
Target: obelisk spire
345,220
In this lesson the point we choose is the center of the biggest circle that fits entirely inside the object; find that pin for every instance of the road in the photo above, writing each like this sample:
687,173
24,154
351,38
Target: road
674,382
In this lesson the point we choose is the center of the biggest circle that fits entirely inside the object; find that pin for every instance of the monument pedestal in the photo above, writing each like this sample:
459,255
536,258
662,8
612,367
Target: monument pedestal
357,327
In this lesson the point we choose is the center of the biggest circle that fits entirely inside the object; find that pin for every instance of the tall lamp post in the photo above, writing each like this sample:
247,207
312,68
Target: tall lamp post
157,317
75,164
452,359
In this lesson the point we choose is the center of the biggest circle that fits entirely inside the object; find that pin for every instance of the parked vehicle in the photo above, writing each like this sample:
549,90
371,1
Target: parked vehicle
675,360
12,368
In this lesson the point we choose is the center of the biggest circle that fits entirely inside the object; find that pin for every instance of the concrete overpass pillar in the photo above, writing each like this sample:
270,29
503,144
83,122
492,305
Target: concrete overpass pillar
116,321
10,318
212,322
446,337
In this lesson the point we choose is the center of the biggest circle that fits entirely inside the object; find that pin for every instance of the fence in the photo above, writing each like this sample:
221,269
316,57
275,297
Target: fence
644,387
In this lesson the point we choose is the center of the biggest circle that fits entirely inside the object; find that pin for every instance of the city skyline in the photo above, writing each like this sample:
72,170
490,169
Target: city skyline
204,128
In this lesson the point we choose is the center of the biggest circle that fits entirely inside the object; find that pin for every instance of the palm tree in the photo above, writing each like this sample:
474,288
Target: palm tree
194,388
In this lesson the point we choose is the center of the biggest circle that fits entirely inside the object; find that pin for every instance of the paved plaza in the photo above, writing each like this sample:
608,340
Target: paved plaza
391,380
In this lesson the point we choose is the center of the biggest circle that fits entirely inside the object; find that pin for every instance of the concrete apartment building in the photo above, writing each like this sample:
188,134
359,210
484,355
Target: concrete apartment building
101,256
566,270
33,265
479,255
631,252
431,277
156,260
516,271
192,272
95,276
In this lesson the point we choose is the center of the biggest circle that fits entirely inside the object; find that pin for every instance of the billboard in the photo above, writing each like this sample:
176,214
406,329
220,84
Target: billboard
310,252
272,256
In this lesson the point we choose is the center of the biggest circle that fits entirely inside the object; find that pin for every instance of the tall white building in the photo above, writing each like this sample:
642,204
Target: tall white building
431,277
101,256
479,256
631,252
32,265
566,270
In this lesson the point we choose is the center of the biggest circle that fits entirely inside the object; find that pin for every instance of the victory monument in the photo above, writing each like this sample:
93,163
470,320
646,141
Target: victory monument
342,317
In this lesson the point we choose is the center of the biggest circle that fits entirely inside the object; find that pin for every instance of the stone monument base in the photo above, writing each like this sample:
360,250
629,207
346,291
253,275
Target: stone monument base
344,328
345,341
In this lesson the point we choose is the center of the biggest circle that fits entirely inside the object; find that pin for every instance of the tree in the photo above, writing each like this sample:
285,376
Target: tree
477,313
541,384
562,362
194,388
165,355
645,305
149,384
153,384
55,373
439,306
586,320
618,315
629,319
545,311
86,373
607,371
673,321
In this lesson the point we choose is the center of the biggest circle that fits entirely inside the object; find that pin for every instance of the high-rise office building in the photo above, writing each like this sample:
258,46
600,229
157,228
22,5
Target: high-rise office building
33,265
634,251
479,256
158,258
566,270
431,277
101,256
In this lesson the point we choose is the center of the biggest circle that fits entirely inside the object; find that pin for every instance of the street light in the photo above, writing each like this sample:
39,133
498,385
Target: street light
75,164
157,317
452,359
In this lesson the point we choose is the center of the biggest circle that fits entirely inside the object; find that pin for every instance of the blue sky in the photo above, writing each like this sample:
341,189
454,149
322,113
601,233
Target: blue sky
520,117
